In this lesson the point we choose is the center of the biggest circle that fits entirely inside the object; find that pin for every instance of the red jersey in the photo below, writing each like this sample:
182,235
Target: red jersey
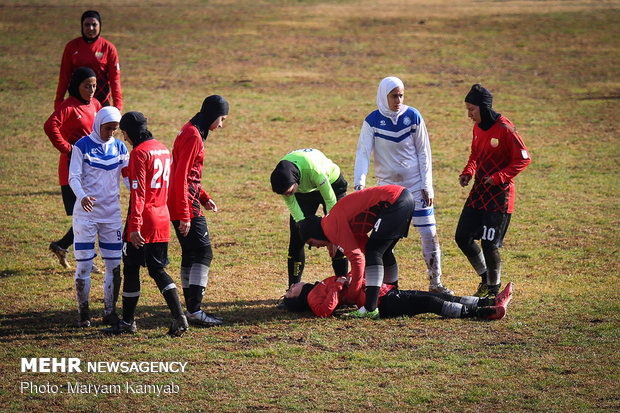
349,222
70,122
327,295
101,56
501,154
186,194
149,175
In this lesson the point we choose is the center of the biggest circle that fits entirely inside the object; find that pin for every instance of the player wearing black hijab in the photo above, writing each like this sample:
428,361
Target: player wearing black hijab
185,198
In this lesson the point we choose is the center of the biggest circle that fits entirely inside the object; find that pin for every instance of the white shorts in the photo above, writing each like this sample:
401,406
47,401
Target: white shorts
85,234
423,215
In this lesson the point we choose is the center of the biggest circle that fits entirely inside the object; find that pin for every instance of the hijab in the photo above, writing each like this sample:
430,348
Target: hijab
105,115
134,123
80,75
86,15
285,174
212,108
481,97
385,87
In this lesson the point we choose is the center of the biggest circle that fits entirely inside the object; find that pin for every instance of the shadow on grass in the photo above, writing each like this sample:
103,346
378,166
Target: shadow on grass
44,325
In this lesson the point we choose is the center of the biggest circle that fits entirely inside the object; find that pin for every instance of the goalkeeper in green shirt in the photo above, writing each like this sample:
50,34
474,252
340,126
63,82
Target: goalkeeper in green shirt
306,178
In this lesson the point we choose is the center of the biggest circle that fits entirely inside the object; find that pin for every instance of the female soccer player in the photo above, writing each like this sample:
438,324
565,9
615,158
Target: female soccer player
92,50
71,121
396,134
497,155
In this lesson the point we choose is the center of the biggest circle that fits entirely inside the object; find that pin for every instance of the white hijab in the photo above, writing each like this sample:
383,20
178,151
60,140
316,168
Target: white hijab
105,115
385,87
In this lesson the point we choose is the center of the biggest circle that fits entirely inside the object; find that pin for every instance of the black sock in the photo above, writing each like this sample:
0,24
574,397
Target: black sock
295,270
174,304
372,298
486,302
67,240
194,297
129,308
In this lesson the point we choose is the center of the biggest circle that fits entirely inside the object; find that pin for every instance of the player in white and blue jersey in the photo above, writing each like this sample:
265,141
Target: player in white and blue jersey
395,134
97,162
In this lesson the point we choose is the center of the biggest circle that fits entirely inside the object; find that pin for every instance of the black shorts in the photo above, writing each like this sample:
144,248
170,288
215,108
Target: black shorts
153,255
489,227
309,202
198,235
68,198
393,222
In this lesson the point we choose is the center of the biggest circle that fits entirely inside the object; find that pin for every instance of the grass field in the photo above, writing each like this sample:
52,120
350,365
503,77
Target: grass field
304,74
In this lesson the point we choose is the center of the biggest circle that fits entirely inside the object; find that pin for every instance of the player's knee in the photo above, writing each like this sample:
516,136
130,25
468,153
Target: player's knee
204,255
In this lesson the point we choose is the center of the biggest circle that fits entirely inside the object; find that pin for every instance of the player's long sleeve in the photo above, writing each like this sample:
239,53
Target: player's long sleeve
75,174
425,161
365,145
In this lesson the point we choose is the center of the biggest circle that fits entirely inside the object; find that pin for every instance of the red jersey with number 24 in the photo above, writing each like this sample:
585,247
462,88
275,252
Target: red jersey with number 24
501,154
149,176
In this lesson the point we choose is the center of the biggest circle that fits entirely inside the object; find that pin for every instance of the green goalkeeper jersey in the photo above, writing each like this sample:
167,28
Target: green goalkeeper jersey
317,173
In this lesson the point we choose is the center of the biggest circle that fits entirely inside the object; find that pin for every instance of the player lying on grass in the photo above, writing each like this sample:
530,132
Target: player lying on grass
322,298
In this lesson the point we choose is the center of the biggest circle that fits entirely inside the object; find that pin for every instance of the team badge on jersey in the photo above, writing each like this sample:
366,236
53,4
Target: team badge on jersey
382,122
134,184
407,120
99,55
494,142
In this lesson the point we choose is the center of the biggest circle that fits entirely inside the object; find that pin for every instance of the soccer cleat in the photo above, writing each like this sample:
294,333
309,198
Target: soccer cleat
497,312
178,326
204,319
483,290
84,323
439,288
60,253
121,327
362,313
505,296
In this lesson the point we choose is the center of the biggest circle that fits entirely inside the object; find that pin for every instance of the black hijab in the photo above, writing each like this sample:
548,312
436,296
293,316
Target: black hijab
134,123
80,74
283,176
299,303
481,97
86,15
213,107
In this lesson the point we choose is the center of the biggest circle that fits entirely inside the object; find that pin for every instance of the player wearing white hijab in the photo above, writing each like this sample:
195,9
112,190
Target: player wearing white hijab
97,162
397,135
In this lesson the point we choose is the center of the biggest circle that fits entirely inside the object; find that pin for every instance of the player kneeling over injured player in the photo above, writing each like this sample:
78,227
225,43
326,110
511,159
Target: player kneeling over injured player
385,212
97,162
322,298
147,230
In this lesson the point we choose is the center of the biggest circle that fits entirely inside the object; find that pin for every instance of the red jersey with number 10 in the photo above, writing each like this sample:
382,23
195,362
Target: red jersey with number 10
149,176
501,154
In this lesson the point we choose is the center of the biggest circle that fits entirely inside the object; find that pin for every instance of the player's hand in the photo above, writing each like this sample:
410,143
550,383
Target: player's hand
210,205
184,227
488,180
464,180
136,239
345,281
427,199
88,202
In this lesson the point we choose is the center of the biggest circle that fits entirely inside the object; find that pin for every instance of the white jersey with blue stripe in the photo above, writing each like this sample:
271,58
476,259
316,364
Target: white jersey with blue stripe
95,171
402,152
